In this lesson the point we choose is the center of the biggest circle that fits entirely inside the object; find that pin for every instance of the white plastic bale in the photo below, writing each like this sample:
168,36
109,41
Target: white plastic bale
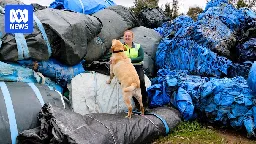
90,94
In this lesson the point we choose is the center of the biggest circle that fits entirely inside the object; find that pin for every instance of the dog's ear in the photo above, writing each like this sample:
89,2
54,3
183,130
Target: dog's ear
112,48
113,41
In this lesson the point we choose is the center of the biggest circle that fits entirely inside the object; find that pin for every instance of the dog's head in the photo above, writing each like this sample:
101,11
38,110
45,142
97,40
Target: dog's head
117,46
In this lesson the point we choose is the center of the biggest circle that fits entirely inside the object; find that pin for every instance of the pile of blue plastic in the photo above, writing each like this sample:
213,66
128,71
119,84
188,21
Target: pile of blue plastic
228,101
82,6
182,54
194,60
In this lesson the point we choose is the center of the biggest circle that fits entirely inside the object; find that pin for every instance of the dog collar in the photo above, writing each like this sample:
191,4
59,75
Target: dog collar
118,51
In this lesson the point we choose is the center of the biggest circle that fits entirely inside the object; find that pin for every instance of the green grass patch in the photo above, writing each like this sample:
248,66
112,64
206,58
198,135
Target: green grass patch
192,132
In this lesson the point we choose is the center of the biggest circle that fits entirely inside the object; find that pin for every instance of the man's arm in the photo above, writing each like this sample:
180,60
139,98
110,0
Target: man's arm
140,56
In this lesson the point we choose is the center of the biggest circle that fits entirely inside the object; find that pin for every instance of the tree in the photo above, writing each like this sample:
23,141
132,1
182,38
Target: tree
193,12
172,12
243,3
141,4
167,10
175,9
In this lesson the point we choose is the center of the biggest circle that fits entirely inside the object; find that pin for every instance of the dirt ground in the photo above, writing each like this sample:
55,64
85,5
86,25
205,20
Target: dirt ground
235,137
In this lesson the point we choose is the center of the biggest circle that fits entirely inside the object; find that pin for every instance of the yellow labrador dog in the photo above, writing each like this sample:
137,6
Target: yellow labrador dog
123,69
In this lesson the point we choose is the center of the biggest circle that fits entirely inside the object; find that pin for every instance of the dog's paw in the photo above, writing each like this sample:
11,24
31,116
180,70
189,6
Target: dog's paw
108,82
128,116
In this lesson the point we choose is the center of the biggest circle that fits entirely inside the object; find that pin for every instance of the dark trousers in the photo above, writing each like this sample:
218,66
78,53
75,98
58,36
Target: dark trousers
139,69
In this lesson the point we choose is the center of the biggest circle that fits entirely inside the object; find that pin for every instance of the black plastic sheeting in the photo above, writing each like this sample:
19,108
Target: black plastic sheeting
37,48
247,50
26,104
69,40
4,2
114,24
126,14
152,17
241,69
62,126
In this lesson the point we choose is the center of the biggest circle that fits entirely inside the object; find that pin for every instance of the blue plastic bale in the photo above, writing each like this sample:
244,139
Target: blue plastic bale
252,78
227,13
183,102
184,54
215,35
215,3
16,73
247,17
164,87
247,51
227,101
61,73
82,6
172,28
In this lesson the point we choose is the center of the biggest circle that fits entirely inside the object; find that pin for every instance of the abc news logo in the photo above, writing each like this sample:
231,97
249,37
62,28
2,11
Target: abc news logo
18,19
14,18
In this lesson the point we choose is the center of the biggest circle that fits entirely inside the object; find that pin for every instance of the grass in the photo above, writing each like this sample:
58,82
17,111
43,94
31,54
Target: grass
196,133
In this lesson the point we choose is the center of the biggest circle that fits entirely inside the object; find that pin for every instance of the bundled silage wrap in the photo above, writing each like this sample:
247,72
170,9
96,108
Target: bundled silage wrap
114,24
225,12
16,73
215,3
215,35
170,29
182,54
247,50
152,17
62,126
62,74
229,102
252,77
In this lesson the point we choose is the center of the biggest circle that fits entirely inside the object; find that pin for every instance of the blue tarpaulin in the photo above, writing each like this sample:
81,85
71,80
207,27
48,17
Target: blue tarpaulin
247,50
252,77
82,6
215,3
228,101
52,68
182,54
15,73
215,35
175,28
226,13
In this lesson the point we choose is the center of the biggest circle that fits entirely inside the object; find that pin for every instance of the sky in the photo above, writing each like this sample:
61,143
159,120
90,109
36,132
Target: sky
183,4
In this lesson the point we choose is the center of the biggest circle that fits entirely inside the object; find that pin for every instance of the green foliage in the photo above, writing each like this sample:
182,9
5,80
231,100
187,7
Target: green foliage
194,11
243,3
171,10
141,4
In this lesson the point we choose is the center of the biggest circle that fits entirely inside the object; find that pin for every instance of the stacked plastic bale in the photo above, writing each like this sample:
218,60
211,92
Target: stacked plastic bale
170,29
183,54
216,28
60,73
166,89
229,102
152,17
215,35
214,3
247,34
117,20
48,40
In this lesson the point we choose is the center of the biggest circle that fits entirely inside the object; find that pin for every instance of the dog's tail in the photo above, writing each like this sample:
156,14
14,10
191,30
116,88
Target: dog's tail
131,88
